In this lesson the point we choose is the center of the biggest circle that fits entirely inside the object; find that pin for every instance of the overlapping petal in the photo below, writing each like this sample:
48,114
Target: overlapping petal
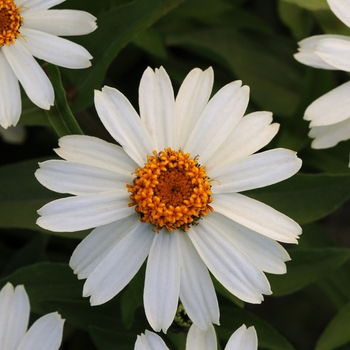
150,341
198,339
243,338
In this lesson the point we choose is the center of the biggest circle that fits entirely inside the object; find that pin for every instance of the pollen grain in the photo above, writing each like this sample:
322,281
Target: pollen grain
171,191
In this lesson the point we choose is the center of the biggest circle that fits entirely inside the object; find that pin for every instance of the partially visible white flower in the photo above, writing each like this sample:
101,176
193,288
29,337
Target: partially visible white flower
242,339
330,114
28,28
44,334
14,134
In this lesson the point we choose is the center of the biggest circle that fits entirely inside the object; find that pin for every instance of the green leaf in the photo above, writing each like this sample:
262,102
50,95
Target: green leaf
307,266
264,62
60,115
21,195
306,198
337,331
116,28
310,4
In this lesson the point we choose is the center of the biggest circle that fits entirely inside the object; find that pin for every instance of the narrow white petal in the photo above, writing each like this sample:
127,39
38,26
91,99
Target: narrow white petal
14,315
37,5
335,52
217,121
197,292
307,54
45,333
35,82
330,135
198,339
162,282
60,22
190,102
233,269
257,216
121,264
156,100
55,50
258,170
253,132
264,252
10,95
341,8
150,341
78,179
97,245
243,338
332,107
121,120
92,150
83,212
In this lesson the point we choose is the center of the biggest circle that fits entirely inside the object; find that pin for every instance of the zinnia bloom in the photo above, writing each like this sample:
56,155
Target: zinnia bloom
44,334
171,193
242,339
329,115
28,28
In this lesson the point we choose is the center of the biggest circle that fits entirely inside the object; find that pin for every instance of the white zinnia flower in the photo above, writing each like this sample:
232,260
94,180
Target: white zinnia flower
27,29
154,197
44,334
329,114
242,339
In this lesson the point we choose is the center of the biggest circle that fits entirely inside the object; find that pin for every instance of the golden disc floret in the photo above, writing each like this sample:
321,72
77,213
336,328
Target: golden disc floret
10,22
171,191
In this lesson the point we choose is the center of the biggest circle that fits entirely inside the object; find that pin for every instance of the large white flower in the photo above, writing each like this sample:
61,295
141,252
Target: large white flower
28,28
44,334
171,193
330,114
242,339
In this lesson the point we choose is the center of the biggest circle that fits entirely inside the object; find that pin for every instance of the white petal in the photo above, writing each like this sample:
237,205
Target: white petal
14,315
45,333
335,52
264,252
243,338
258,170
122,122
121,264
37,5
162,282
233,269
341,8
329,135
257,216
74,178
307,54
253,132
219,118
156,100
190,102
10,95
150,341
197,292
198,339
55,50
35,82
97,245
333,107
83,212
60,22
91,150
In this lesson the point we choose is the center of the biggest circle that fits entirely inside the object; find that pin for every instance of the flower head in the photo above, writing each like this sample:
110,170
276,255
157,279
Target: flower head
44,334
242,339
170,193
28,28
329,115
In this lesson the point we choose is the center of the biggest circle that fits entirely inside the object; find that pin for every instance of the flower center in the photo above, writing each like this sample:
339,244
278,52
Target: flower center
10,21
171,191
